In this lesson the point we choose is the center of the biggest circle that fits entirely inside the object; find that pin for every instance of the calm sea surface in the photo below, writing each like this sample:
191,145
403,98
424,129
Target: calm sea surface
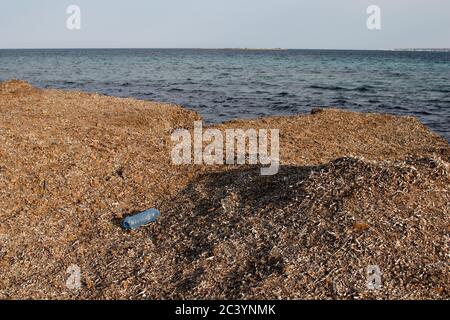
227,84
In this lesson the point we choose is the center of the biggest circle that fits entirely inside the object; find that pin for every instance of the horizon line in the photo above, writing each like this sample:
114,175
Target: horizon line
223,48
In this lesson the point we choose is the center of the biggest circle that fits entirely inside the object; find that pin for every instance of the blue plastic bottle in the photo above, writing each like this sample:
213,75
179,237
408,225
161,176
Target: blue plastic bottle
140,219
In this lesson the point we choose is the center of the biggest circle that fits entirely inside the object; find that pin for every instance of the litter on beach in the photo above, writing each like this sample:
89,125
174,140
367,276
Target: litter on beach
141,219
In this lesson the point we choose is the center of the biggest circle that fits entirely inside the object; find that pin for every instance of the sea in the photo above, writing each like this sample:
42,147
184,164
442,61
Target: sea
225,84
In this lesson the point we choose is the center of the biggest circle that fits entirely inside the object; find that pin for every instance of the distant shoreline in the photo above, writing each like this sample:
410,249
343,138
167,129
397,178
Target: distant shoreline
425,49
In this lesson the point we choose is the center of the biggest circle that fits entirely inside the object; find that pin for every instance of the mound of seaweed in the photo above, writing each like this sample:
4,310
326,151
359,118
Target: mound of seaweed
310,232
73,164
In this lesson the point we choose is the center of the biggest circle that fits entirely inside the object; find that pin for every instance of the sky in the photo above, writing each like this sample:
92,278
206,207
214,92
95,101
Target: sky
296,24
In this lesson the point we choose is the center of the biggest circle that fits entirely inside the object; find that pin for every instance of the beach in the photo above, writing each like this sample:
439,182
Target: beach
353,190
223,85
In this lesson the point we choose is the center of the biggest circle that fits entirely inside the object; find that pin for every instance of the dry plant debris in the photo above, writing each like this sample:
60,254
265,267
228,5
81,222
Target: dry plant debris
353,190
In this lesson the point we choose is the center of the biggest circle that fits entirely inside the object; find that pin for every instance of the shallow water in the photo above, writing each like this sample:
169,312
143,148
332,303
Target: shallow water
226,84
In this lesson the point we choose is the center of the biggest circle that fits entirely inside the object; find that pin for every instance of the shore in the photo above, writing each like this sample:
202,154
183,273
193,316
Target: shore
353,190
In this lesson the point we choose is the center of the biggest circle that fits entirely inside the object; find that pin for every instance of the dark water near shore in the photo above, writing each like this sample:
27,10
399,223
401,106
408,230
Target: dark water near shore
227,84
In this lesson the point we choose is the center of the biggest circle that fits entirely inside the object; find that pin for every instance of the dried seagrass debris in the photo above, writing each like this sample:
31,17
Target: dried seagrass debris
73,165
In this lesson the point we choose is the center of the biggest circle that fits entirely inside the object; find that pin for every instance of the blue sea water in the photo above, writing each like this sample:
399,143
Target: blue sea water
226,84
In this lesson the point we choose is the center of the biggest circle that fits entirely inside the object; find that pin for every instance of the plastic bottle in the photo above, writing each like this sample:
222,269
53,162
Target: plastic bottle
140,219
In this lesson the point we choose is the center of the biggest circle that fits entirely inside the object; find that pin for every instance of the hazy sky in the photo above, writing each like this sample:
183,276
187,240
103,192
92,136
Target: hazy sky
225,23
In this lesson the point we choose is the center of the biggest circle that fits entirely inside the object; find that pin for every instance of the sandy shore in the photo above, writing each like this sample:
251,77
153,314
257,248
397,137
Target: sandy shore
353,190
